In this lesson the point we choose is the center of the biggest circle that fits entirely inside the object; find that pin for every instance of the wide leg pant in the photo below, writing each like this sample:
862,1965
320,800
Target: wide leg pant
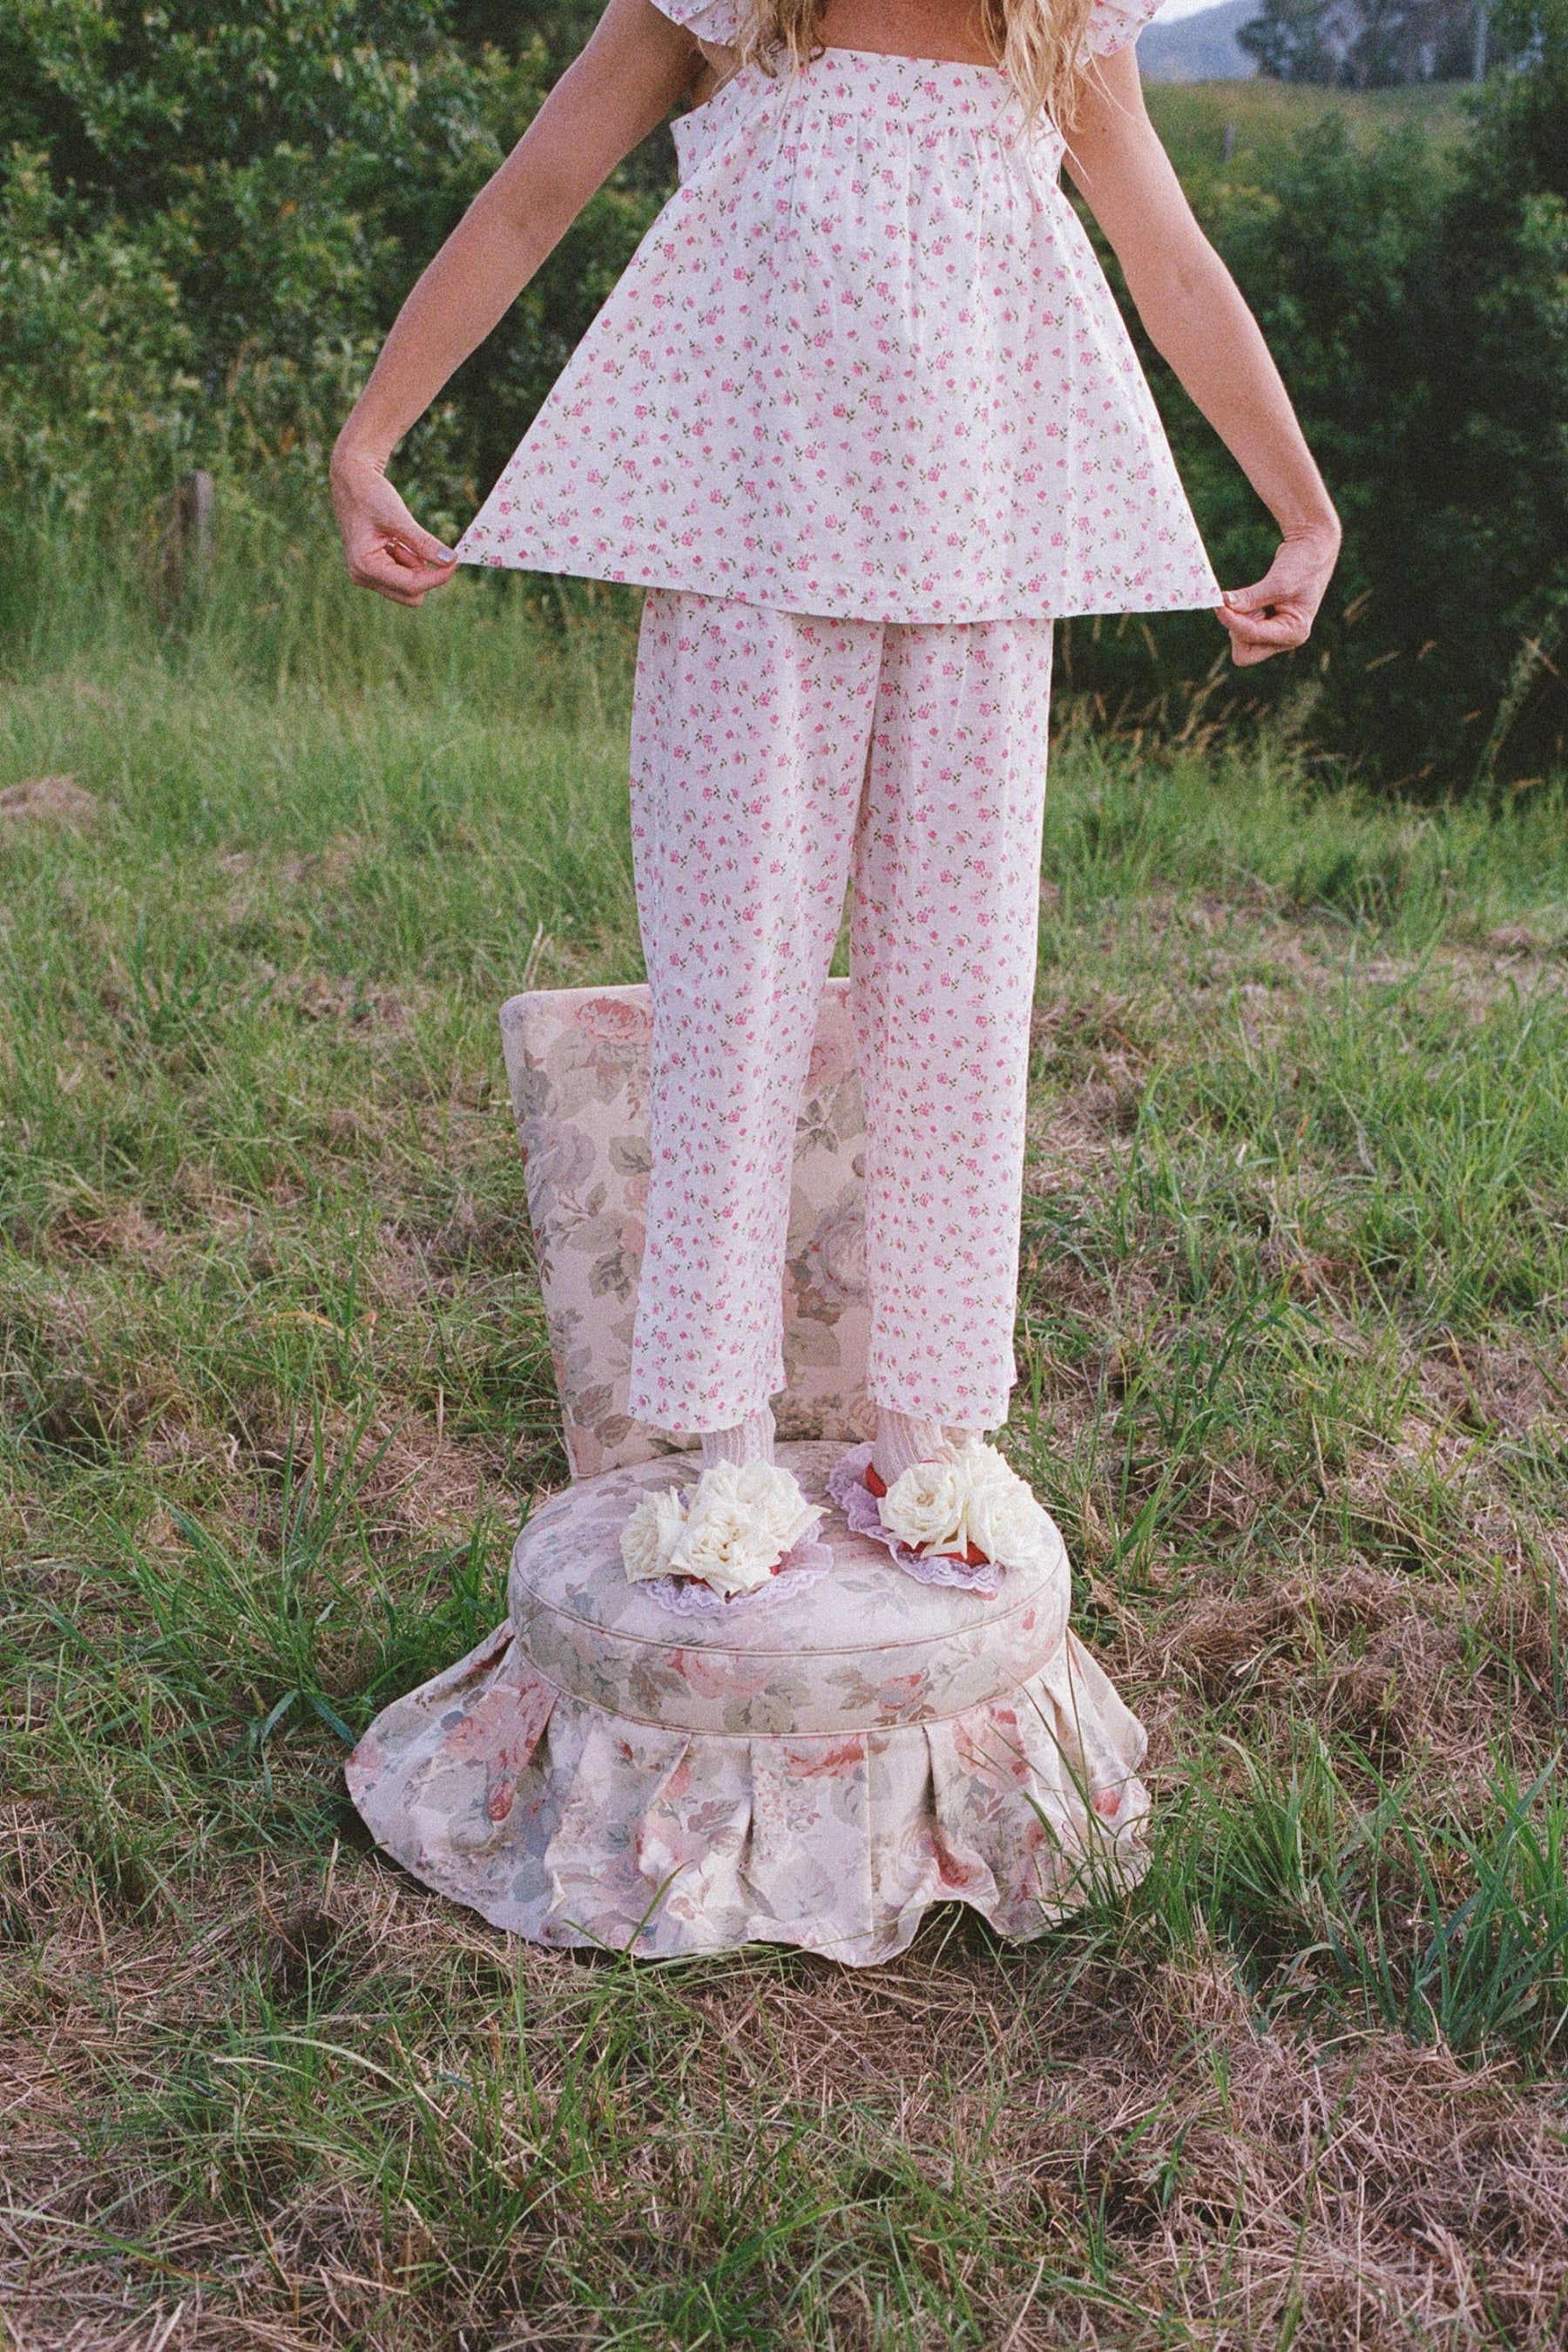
775,759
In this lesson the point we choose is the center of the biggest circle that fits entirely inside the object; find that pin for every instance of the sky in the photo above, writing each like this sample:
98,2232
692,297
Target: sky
1173,9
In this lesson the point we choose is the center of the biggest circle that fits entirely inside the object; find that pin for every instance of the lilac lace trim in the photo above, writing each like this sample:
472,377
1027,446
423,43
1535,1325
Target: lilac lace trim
807,1564
846,1484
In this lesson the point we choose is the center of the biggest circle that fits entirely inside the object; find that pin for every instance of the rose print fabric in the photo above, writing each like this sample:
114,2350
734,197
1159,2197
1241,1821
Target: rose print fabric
776,759
815,1773
864,364
815,1767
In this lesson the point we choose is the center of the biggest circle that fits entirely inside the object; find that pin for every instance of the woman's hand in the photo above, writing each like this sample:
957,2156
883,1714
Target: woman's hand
635,68
1277,614
385,547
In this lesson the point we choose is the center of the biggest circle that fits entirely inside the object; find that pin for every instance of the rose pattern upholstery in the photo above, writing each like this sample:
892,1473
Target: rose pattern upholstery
577,1062
813,1767
817,1772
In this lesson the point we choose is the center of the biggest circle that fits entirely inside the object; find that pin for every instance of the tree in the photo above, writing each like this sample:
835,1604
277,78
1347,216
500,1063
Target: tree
1418,303
272,176
1369,44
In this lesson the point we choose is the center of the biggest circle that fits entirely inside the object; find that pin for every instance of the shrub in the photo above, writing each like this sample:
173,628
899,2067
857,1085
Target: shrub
1418,303
95,357
211,213
217,211
1423,328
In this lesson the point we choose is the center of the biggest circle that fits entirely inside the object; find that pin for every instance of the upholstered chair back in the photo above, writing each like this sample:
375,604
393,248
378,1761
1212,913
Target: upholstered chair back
577,1062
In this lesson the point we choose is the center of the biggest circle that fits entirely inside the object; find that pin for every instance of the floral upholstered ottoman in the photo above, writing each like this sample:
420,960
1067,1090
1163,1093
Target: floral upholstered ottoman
814,1764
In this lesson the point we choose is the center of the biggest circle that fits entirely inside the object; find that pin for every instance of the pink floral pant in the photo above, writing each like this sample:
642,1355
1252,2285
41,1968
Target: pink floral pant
776,759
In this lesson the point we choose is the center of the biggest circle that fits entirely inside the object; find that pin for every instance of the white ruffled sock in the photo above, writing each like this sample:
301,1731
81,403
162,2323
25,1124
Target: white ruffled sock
902,1440
751,1440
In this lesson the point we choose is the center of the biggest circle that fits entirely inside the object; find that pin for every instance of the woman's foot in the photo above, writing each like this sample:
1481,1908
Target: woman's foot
966,1503
742,1522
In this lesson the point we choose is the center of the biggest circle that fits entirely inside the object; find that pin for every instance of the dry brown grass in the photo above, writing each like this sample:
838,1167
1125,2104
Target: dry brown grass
1134,2149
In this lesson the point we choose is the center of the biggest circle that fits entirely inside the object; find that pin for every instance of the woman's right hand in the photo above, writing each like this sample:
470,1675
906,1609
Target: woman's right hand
386,550
633,71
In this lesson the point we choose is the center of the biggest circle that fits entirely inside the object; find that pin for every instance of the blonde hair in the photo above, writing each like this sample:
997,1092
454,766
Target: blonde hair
1039,43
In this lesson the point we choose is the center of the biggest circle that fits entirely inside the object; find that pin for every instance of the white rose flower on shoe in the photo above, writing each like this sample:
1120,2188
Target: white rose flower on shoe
780,1512
972,1505
651,1534
743,1520
1001,1516
924,1505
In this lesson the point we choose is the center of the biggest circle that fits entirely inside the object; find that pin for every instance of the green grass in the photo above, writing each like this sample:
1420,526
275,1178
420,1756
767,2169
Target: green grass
1261,118
275,1392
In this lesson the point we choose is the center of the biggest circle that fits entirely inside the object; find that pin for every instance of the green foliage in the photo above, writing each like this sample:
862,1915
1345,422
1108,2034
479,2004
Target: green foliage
1415,292
1368,44
209,216
95,356
221,209
1423,332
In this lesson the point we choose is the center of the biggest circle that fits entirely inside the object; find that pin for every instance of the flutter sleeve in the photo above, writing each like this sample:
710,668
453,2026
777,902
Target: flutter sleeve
1113,24
717,22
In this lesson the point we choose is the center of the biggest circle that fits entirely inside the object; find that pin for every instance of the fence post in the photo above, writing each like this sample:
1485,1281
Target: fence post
189,540
194,502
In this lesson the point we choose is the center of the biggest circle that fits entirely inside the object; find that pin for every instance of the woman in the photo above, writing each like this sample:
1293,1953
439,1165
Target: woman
863,420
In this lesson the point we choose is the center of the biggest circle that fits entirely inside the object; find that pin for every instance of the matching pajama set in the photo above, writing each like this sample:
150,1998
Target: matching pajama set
862,418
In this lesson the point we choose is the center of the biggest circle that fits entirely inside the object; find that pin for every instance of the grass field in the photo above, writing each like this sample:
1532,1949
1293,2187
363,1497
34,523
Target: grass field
1295,1331
1261,118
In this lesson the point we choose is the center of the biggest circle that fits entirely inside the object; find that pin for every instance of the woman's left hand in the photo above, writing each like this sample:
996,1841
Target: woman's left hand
1276,615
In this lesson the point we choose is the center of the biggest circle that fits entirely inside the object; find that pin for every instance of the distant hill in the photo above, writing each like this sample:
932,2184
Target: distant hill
1201,47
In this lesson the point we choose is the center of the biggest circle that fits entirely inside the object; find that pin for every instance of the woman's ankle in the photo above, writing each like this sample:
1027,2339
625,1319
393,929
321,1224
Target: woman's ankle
751,1440
903,1439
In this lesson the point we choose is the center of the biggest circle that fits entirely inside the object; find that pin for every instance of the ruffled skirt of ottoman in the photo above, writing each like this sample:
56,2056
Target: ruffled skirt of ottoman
569,1825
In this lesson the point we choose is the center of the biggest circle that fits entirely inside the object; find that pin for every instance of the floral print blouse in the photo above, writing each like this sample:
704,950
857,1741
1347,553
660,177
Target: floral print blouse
864,363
